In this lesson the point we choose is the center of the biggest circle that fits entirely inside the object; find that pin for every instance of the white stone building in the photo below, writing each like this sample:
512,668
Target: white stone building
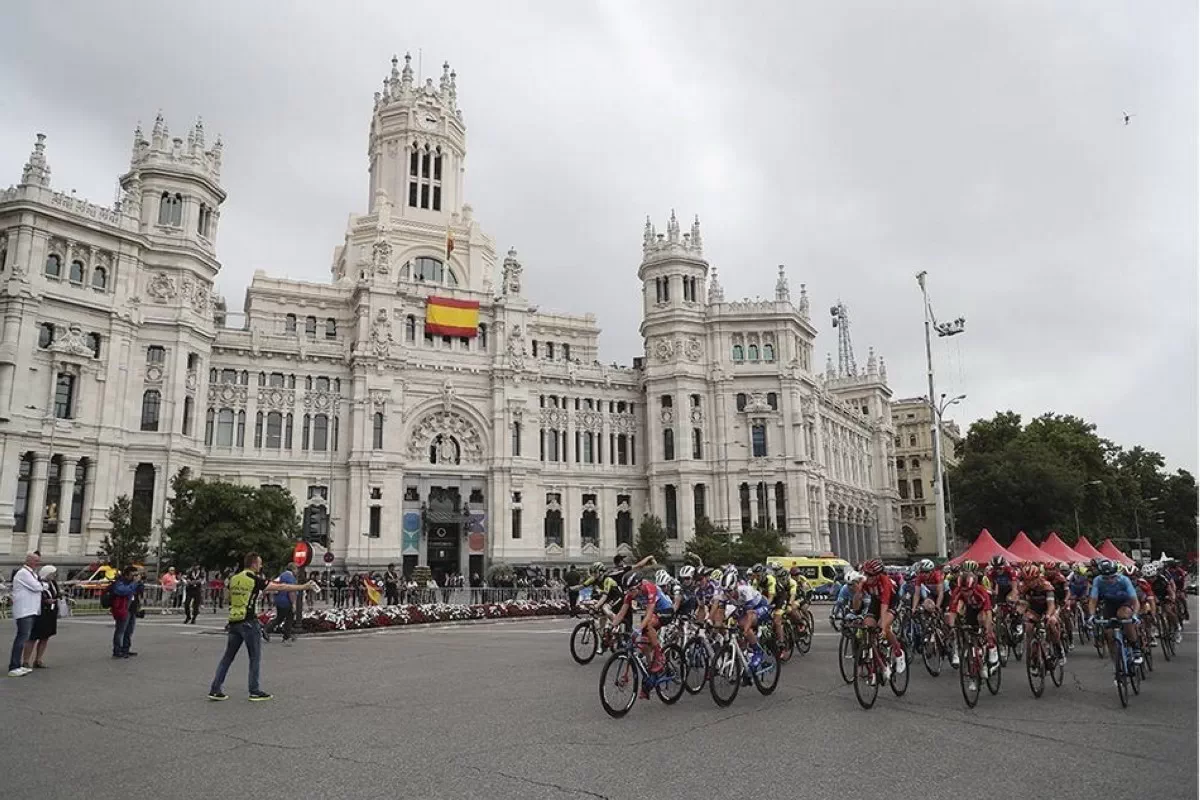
119,366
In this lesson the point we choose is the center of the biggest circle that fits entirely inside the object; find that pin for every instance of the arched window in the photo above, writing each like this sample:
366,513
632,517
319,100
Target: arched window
289,323
768,352
741,401
156,354
669,445
377,431
304,427
53,266
331,328
170,209
204,220
77,271
93,340
483,340
410,329
429,270
151,403
188,409
99,278
739,354
287,432
241,429
209,419
753,352
274,430
310,326
45,335
773,401
320,434
276,380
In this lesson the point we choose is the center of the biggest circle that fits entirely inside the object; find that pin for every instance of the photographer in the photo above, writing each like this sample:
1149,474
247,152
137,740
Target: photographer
126,606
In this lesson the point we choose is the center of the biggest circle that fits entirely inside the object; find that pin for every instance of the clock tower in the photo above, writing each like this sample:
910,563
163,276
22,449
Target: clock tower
417,145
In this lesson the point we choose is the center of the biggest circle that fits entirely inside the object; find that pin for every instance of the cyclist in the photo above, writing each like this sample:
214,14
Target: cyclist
648,596
782,599
1003,578
1119,601
970,597
881,608
684,592
1036,598
932,595
802,595
1162,589
746,604
1077,585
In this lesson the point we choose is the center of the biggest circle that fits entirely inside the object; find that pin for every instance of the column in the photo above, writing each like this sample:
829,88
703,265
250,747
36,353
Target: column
67,484
37,503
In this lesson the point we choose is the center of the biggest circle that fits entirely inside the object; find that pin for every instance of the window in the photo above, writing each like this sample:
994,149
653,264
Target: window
912,441
289,323
310,326
241,429
322,383
375,525
155,354
552,531
533,347
209,420
331,328
483,340
54,266
21,505
193,361
225,428
918,490
697,443
902,485
76,273
566,351
740,401
916,463
739,354
772,401
188,409
377,431
229,376
758,440
669,445
589,521
760,494
274,430
695,400
672,511
410,329
589,448
768,352
75,523
258,429
689,289
287,432
304,426
516,523
93,340
276,380
142,505
45,335
99,279
64,396
900,464
753,349
429,270
698,498
624,524
170,210
320,434
549,351
665,401
780,507
203,220
622,449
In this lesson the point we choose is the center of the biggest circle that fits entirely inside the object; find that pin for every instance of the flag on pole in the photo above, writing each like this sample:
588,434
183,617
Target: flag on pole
449,241
445,316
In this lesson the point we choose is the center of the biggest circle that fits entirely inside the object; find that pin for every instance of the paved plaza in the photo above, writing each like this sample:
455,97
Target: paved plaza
499,710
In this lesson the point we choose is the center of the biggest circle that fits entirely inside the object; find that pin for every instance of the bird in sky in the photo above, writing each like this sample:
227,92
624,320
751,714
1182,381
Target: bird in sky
1127,116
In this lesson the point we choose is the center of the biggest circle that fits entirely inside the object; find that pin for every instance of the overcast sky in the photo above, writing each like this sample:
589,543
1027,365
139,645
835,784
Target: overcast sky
854,142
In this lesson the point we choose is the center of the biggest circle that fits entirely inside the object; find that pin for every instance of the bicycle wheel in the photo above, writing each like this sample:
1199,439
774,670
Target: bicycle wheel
695,660
725,678
787,645
866,680
899,680
766,677
1101,643
669,685
931,652
993,673
1003,643
846,658
585,642
1017,641
619,674
1058,667
968,673
1035,670
804,638
1081,628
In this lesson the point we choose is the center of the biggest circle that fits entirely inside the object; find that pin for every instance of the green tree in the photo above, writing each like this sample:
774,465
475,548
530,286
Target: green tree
214,523
126,542
710,545
651,540
757,545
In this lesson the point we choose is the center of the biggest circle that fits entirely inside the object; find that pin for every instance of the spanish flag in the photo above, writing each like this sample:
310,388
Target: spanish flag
445,316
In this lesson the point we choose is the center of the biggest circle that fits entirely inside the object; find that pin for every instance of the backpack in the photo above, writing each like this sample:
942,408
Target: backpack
106,595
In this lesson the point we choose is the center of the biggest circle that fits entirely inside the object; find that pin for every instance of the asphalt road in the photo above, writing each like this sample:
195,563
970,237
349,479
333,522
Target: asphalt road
501,711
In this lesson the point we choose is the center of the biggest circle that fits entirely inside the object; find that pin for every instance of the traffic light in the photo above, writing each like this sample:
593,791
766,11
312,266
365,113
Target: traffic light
316,525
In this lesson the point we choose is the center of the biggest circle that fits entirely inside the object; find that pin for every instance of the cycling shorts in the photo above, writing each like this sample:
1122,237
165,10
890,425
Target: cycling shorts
1108,608
874,609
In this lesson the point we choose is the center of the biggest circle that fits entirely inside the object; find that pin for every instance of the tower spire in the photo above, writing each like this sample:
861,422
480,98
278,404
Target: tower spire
782,293
696,235
841,321
803,301
37,171
715,293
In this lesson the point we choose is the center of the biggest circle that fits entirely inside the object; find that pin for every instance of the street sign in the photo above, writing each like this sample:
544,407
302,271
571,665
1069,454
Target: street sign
302,554
328,557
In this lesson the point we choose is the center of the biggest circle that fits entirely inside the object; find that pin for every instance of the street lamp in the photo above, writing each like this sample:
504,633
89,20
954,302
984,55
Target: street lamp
942,406
943,329
1081,488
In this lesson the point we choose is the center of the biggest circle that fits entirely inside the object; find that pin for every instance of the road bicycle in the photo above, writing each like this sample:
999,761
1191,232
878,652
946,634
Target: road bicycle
688,635
1010,633
796,636
1167,633
627,669
730,667
1041,659
852,628
872,667
935,643
973,668
593,636
1126,674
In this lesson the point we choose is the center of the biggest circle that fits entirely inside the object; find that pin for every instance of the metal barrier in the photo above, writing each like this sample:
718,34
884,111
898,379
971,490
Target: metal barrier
345,597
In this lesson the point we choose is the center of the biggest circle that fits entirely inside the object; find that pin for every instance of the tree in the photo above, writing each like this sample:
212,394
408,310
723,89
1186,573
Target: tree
214,523
126,543
710,545
757,545
651,540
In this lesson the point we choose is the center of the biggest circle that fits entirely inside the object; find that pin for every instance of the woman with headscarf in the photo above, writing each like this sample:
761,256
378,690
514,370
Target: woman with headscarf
46,623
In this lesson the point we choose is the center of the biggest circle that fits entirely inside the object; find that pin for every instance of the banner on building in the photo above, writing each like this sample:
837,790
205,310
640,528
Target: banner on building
445,316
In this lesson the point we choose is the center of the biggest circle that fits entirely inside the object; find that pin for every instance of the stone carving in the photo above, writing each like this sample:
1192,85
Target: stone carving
697,415
378,397
448,425
511,274
381,256
757,403
448,393
71,341
516,348
381,334
554,417
668,416
692,350
161,287
623,423
154,374
227,394
321,401
589,420
276,398
664,350
191,381
197,295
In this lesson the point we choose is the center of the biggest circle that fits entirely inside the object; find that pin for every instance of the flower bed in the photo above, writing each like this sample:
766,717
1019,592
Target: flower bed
368,617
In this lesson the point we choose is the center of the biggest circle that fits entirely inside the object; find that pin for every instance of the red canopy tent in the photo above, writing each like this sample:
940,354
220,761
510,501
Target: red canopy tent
1025,550
1057,549
982,550
1085,549
1110,550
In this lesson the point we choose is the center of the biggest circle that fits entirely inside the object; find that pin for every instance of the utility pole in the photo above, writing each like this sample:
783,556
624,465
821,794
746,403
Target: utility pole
939,498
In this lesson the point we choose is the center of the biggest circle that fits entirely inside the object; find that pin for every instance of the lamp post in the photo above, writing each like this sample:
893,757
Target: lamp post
943,404
943,329
1081,488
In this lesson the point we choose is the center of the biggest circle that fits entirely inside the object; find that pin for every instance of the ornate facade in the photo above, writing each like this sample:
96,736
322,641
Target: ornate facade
119,366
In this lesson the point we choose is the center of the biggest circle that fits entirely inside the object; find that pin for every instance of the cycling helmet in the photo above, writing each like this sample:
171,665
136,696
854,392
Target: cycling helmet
854,576
1105,567
729,580
1150,570
1081,569
1031,572
598,568
630,579
873,567
687,572
796,572
910,573
758,569
716,574
662,577
999,561
925,565
973,566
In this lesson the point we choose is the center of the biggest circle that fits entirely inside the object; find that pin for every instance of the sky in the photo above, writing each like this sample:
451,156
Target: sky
855,143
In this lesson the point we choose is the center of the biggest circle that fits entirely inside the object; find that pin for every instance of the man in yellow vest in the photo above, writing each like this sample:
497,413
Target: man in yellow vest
244,589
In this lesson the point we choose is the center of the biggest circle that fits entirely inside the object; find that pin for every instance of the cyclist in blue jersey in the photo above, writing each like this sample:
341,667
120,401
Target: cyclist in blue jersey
658,608
684,592
1116,597
748,606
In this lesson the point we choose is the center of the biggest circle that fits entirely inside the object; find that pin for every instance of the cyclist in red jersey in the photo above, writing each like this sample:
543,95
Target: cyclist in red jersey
970,598
931,578
884,600
1037,601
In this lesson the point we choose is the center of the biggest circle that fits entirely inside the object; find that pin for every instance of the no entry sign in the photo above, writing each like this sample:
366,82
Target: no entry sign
302,554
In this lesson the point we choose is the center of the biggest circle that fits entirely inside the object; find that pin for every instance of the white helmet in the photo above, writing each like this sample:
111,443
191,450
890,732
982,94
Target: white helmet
1150,570
729,580
687,572
853,576
662,577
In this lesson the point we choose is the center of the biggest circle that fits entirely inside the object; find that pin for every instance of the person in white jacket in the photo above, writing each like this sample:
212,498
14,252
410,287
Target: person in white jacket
26,604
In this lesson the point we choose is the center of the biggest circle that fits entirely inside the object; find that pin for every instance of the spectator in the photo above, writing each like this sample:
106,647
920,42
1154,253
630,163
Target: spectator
26,603
216,588
391,585
573,582
476,587
170,583
339,590
243,628
285,612
193,586
124,610
45,624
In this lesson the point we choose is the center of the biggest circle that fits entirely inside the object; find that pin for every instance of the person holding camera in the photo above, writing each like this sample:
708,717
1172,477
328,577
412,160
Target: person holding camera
125,608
